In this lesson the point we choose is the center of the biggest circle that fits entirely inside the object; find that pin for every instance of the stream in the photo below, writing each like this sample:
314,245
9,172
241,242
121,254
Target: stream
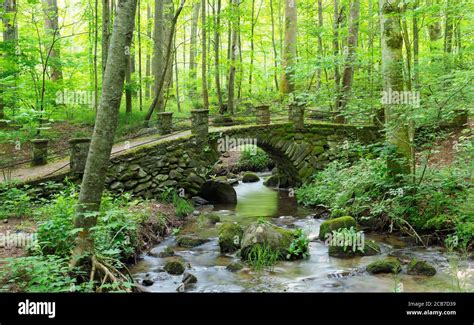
318,273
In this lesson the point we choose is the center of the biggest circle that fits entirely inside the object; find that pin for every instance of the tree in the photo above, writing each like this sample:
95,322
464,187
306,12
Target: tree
205,91
104,130
51,26
193,48
397,127
287,83
217,25
348,74
105,33
233,55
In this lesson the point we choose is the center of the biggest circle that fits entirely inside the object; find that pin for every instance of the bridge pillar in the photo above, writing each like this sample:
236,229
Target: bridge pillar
40,152
296,116
79,152
165,122
200,123
263,114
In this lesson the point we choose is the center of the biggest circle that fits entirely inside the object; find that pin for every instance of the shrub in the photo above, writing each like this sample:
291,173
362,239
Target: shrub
299,247
254,161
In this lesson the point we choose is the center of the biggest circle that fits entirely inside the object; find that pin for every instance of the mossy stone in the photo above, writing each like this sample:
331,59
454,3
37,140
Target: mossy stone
384,266
167,252
272,181
417,267
235,267
335,224
190,241
230,235
174,267
250,178
265,234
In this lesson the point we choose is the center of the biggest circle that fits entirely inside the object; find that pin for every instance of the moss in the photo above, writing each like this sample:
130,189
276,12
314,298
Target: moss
235,267
174,266
167,252
417,267
272,181
230,235
384,266
213,218
190,241
370,248
250,178
335,224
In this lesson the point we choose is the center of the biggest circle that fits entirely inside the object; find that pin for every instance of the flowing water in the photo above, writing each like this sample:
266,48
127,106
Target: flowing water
318,273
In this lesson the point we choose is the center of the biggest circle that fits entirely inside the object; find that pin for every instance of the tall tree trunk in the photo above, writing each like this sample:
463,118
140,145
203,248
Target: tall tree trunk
148,52
178,99
233,56
252,45
348,74
335,42
128,81
416,45
320,38
397,127
193,49
275,52
287,84
10,40
217,74
51,26
139,36
104,131
105,33
205,92
448,35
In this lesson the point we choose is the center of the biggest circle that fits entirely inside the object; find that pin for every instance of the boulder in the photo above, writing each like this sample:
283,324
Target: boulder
272,181
197,200
234,267
188,278
167,252
250,178
418,267
190,241
335,224
174,267
230,235
218,192
265,234
370,248
384,266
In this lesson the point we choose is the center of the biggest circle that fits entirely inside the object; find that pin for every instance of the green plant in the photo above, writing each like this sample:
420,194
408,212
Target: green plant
182,206
254,159
299,247
15,203
262,257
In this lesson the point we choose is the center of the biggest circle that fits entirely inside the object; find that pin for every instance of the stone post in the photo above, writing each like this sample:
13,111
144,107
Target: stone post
79,152
200,123
296,116
40,152
263,114
165,122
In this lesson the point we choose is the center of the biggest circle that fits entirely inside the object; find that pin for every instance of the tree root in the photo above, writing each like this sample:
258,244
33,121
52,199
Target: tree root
108,275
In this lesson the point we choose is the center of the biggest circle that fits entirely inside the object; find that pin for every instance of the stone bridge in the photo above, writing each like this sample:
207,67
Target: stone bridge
298,150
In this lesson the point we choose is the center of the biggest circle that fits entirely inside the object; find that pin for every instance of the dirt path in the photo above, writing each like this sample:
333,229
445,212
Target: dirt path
62,165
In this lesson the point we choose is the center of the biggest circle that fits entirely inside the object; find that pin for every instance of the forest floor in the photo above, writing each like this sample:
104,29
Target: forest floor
14,227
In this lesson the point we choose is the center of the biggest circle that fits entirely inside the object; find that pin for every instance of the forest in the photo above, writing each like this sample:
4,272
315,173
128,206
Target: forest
301,145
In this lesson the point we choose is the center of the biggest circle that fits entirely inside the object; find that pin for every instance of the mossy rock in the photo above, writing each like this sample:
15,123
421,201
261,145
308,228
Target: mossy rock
335,224
190,241
265,234
167,252
250,178
235,267
174,266
417,267
272,181
213,218
384,266
370,248
230,235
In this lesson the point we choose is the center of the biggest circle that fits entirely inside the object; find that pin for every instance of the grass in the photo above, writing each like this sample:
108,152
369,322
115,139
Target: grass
262,257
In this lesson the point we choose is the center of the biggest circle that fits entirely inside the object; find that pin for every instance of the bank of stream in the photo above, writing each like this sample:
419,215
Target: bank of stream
318,273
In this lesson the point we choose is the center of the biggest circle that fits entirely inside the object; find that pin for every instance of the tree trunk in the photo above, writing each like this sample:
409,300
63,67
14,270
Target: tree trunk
233,55
128,81
105,33
320,38
416,46
51,26
335,42
217,24
104,130
205,92
287,84
193,49
397,128
275,52
148,52
139,36
348,74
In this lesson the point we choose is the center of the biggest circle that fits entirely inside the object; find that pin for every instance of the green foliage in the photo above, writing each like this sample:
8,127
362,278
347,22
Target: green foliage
15,203
48,273
299,247
262,257
254,160
182,206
